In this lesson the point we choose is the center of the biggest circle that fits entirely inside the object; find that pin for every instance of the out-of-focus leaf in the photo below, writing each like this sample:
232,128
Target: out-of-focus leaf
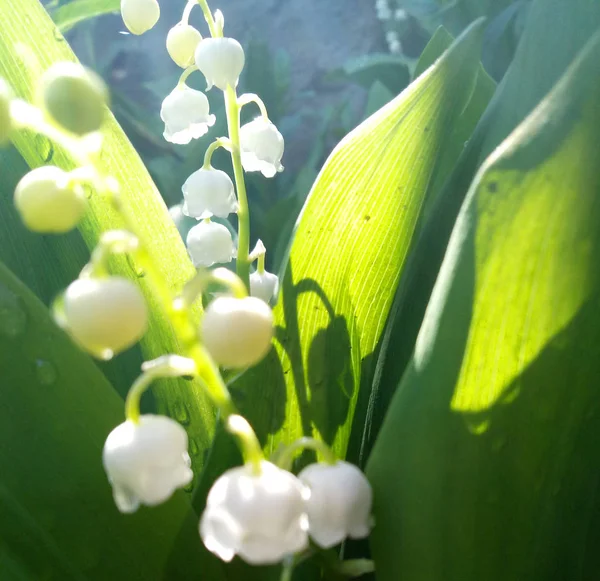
391,70
29,44
379,96
555,32
76,11
486,466
57,517
344,265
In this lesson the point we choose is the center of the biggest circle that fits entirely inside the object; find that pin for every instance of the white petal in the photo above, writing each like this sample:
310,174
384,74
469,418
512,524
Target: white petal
185,113
209,192
210,243
262,147
264,285
221,60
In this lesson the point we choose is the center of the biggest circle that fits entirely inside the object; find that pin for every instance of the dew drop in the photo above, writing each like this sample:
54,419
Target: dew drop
45,372
44,147
58,35
181,413
13,317
190,487
88,191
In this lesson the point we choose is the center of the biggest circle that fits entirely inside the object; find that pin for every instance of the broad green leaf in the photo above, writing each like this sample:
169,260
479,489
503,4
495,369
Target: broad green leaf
347,256
57,517
486,465
29,44
76,11
555,32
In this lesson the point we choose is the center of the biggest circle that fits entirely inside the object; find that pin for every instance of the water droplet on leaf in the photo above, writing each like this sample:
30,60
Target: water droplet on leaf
44,147
181,413
45,372
13,317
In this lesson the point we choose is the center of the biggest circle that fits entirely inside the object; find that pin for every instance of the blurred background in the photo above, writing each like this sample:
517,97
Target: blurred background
321,66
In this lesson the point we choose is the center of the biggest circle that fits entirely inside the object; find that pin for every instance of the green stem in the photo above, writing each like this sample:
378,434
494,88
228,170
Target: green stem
252,98
287,569
233,124
239,427
285,458
260,267
210,20
220,142
185,18
183,77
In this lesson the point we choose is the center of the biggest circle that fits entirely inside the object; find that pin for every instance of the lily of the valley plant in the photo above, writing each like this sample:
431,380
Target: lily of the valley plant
259,511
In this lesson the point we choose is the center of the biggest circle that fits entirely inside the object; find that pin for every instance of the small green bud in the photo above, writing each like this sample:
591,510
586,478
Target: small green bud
139,16
5,120
47,202
182,42
74,97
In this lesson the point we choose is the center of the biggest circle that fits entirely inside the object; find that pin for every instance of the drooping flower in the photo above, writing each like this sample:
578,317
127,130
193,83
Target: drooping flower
262,147
339,504
47,202
105,315
182,42
140,16
74,97
264,285
209,192
185,113
221,61
260,517
237,332
210,243
146,461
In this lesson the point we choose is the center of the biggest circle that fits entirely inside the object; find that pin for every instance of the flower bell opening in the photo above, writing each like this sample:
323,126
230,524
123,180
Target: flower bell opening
209,192
185,113
262,147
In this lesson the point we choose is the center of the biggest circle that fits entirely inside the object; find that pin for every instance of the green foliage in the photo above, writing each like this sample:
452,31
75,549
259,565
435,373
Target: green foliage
485,467
68,15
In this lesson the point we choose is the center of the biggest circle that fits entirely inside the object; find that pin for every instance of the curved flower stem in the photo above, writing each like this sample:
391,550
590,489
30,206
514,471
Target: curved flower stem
239,427
165,366
260,267
286,456
220,142
222,276
247,98
185,17
111,242
183,78
210,20
233,124
287,568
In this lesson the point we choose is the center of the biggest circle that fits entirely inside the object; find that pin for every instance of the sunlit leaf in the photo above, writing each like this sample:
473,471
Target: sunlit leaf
486,465
76,11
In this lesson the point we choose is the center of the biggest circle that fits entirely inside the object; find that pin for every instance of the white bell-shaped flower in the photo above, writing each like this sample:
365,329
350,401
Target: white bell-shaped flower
237,332
210,243
182,42
47,203
264,285
340,502
262,147
140,16
186,115
209,192
146,461
259,517
221,61
105,315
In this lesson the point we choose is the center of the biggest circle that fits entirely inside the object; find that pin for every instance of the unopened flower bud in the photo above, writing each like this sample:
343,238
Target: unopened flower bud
221,61
5,119
105,316
182,42
339,504
185,113
237,332
140,16
209,192
47,202
74,97
264,285
146,462
262,147
260,517
210,243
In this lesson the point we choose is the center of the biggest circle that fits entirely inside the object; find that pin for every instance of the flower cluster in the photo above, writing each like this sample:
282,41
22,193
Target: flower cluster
260,511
